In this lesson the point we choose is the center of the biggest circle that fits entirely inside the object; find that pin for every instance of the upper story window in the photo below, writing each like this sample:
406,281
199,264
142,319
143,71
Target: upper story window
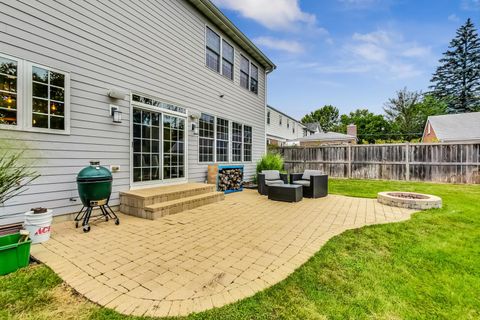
268,117
220,55
254,78
293,128
288,123
33,97
8,91
244,73
280,120
213,50
227,60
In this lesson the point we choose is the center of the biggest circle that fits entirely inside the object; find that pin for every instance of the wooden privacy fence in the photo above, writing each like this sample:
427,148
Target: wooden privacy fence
438,162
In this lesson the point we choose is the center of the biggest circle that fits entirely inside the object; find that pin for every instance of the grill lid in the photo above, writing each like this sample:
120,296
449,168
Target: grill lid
93,173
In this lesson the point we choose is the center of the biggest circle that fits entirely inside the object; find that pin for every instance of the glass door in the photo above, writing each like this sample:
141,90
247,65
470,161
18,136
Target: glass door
159,151
146,145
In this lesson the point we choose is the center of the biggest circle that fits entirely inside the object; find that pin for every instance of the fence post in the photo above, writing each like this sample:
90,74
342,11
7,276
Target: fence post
407,159
349,169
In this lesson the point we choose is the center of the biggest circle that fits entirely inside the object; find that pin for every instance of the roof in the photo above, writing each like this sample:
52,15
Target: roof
327,136
285,115
456,127
227,26
313,126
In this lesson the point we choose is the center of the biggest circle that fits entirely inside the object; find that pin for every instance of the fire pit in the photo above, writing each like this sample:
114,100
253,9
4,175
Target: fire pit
410,200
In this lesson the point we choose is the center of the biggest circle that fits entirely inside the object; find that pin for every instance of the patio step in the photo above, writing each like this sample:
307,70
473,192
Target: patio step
152,203
158,210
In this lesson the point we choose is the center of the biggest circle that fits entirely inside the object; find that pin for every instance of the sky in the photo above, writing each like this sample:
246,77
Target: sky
348,53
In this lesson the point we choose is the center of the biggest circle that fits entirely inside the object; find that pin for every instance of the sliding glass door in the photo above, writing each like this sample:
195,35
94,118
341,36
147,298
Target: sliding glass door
158,146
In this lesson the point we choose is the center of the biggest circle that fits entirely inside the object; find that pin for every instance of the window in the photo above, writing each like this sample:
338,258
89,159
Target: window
33,97
206,138
268,117
280,120
293,128
222,140
244,72
247,143
236,142
254,79
8,91
213,50
173,147
288,123
146,145
227,60
48,99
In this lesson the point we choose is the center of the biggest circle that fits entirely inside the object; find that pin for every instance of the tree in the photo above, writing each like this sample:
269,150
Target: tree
370,126
402,112
327,117
408,112
457,79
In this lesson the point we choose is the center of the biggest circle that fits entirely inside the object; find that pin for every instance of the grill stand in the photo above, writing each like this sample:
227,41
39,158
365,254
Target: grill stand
86,213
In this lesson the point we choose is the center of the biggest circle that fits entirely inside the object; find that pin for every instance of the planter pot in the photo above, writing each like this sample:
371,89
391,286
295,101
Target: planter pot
13,255
39,225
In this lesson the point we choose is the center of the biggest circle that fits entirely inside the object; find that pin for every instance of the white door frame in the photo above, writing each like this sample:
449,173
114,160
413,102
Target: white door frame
162,111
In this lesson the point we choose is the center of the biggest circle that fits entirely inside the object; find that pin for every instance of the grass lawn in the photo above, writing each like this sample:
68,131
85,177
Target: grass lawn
424,268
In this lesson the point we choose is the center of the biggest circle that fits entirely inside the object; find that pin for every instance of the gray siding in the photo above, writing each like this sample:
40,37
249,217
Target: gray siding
145,46
274,129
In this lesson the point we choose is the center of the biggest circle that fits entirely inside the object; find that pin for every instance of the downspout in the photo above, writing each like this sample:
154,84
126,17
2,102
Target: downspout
267,72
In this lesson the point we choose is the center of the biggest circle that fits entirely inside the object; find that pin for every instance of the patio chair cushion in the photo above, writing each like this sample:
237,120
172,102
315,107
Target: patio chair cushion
271,174
305,183
308,173
273,182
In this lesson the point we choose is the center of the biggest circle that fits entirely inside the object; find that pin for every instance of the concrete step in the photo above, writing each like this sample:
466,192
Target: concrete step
159,210
152,203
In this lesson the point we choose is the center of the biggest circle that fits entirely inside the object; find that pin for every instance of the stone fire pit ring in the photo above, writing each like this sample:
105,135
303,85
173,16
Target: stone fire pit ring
409,200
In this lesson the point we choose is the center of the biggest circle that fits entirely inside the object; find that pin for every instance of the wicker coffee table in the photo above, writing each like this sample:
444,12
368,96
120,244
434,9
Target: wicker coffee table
285,192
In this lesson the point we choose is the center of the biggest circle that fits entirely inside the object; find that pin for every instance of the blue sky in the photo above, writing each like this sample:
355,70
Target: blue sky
348,53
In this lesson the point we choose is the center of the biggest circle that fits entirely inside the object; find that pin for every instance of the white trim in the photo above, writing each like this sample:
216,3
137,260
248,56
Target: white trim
20,94
24,98
162,111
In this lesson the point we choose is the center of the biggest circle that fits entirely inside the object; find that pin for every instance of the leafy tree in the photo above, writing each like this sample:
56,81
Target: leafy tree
370,126
457,79
408,112
327,117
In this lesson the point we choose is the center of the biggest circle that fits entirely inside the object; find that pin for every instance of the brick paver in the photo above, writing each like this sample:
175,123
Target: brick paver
201,258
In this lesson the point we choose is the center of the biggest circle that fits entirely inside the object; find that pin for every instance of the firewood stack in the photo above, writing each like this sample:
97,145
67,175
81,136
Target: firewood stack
230,179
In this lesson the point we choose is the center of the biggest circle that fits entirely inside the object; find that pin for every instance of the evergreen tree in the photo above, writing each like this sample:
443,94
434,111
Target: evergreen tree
457,79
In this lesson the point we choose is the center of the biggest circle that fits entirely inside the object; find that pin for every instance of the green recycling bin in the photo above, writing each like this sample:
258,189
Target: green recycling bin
13,255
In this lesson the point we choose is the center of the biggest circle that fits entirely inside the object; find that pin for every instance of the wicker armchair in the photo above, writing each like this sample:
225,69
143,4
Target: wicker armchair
270,177
314,182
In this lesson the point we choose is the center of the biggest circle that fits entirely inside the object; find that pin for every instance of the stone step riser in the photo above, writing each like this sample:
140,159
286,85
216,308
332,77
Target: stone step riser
138,202
184,206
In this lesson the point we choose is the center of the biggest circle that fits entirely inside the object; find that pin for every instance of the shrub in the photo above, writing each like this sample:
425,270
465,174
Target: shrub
270,161
14,175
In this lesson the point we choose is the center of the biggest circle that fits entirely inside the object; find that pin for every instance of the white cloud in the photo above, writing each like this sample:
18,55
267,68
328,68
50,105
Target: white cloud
417,51
277,15
471,5
362,4
376,37
453,17
288,46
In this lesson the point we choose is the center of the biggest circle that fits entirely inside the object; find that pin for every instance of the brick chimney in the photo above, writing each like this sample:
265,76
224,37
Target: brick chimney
352,130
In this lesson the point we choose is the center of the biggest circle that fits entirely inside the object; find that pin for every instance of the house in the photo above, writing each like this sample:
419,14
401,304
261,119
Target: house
463,127
154,90
329,138
282,128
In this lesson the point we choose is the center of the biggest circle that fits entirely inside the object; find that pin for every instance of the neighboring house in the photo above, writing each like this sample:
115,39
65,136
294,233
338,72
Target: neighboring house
313,127
282,128
323,138
463,127
189,85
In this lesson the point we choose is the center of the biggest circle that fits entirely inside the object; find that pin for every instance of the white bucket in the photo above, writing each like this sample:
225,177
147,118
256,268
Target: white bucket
39,225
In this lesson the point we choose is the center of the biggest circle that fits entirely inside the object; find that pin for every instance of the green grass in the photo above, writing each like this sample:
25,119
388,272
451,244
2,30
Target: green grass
424,268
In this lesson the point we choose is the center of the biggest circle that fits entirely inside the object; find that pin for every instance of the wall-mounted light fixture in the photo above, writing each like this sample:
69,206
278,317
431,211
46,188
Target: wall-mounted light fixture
194,117
116,114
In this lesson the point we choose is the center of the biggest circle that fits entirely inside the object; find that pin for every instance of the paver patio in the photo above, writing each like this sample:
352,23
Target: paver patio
205,257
